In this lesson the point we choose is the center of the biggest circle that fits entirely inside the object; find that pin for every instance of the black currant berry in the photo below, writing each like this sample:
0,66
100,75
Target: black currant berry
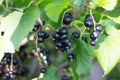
41,34
59,44
46,35
67,47
56,35
76,35
43,70
47,50
40,39
40,49
63,31
70,56
89,17
68,14
36,26
67,18
94,35
66,40
88,23
84,38
99,27
92,42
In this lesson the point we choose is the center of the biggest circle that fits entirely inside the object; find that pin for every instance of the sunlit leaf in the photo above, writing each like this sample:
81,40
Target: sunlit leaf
109,52
10,23
5,46
107,4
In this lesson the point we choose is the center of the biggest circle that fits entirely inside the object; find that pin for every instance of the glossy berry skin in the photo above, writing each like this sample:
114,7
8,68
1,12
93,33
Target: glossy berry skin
46,35
92,42
40,40
43,70
89,17
63,31
88,23
94,35
41,34
70,56
40,49
76,35
56,35
99,27
67,20
58,44
66,40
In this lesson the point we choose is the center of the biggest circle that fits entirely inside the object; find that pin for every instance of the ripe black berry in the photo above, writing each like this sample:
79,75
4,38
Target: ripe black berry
99,27
89,17
40,49
40,39
68,14
43,70
92,42
46,35
56,35
67,18
76,34
41,34
70,56
94,35
47,50
63,31
67,47
58,44
66,40
84,38
88,23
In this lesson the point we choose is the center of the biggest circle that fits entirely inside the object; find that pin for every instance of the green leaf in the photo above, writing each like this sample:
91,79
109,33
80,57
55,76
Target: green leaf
9,23
50,75
5,46
53,10
107,4
114,14
25,25
108,54
83,60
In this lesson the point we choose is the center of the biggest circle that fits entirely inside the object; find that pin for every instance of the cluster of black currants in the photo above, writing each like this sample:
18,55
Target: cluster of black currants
89,22
6,72
61,40
44,54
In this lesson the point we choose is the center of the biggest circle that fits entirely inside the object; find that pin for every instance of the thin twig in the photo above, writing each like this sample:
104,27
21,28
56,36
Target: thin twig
85,4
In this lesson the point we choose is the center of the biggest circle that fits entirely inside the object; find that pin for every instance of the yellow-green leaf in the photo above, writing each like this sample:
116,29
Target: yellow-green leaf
10,23
107,4
108,54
